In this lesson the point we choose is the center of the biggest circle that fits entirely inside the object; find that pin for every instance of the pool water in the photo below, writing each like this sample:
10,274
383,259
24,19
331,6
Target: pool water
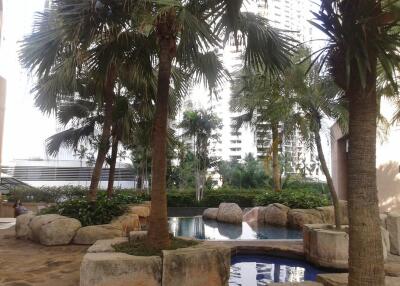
212,230
257,270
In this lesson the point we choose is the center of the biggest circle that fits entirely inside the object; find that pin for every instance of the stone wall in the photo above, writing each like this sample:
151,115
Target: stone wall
194,266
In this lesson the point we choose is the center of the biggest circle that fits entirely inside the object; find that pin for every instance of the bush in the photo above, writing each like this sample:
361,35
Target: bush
212,198
100,212
47,194
297,199
66,193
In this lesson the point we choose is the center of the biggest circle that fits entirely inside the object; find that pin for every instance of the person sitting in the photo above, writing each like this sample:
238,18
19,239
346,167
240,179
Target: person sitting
19,209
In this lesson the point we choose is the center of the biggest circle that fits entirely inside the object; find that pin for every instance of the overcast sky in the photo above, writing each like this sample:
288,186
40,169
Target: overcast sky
26,128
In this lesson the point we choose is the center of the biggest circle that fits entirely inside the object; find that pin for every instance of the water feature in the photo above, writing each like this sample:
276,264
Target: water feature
213,230
257,270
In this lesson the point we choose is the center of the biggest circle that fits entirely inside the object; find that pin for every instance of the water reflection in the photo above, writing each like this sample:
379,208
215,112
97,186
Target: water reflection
213,230
261,271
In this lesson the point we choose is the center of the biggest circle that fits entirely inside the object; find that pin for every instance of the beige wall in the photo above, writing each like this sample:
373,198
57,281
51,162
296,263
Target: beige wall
387,165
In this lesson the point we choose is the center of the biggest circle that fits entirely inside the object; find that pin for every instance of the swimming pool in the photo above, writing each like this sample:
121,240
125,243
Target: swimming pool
212,230
257,270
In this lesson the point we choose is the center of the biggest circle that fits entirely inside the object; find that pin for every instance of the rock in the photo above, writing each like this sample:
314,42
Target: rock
297,218
106,245
37,222
120,269
210,213
393,226
392,269
59,232
255,215
328,213
340,279
196,266
326,247
140,210
230,213
127,222
22,229
276,214
90,234
137,236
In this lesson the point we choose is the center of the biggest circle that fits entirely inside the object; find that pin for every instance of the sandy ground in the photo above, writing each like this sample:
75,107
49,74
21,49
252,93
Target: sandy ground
23,263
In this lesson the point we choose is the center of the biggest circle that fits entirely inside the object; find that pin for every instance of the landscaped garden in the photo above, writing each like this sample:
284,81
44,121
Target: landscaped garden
115,74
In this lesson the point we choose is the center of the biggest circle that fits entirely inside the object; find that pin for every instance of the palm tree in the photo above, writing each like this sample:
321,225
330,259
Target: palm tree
202,126
316,98
264,103
185,35
67,45
362,36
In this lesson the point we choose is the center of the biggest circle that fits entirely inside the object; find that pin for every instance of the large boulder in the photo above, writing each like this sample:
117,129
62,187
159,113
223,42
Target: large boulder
37,222
393,226
120,269
22,229
230,213
297,218
106,245
255,215
140,210
59,232
127,222
53,229
210,213
328,213
197,266
90,234
276,214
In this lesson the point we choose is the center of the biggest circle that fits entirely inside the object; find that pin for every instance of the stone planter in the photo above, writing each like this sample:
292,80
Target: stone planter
192,266
324,246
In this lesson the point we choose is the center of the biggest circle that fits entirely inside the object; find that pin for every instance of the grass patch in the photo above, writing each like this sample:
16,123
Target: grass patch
140,249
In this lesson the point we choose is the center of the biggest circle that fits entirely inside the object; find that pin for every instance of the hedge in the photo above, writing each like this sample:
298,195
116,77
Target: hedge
296,199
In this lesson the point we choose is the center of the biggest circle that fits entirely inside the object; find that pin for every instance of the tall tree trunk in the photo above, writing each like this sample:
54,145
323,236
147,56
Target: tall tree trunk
111,175
276,168
106,133
366,253
158,234
334,196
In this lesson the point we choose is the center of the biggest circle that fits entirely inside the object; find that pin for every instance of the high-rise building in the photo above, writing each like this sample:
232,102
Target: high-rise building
291,17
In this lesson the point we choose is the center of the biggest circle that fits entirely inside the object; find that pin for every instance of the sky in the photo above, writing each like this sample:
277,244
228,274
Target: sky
26,128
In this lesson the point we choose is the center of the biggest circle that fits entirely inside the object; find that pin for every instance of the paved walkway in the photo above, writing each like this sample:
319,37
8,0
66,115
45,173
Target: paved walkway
23,263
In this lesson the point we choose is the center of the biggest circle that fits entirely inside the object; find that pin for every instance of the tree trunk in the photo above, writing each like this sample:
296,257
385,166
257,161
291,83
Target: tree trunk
276,168
106,133
111,175
158,233
366,263
334,196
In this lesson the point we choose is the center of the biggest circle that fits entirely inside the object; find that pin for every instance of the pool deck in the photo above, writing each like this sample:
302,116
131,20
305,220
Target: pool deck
24,263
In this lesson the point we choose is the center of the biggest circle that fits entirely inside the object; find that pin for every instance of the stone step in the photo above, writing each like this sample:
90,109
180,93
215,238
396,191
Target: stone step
340,279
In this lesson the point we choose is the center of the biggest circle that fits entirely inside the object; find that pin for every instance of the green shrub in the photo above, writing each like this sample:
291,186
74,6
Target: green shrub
100,212
89,213
297,199
212,198
296,184
47,194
